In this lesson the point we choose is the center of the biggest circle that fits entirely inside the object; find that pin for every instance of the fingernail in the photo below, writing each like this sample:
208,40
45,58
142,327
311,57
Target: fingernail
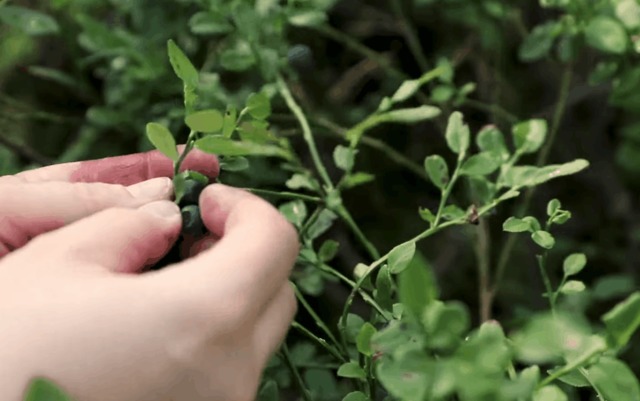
156,188
165,209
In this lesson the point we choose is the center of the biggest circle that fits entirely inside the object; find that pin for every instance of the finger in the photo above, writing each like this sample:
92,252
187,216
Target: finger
125,170
272,327
119,240
254,256
28,210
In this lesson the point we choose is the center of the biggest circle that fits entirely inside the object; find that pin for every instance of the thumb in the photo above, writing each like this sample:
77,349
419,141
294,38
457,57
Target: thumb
117,239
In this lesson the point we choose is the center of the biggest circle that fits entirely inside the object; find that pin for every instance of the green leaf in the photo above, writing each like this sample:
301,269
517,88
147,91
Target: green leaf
328,250
226,147
453,212
356,396
613,286
445,324
614,380
480,164
490,139
384,288
437,170
552,207
237,57
209,23
528,136
573,378
409,378
544,239
363,341
308,18
607,34
533,223
410,116
355,179
406,90
416,288
236,163
259,106
162,139
623,320
539,42
427,215
515,225
205,121
574,264
628,11
31,22
344,157
401,256
229,121
353,326
457,134
301,181
550,393
322,224
44,390
572,287
182,66
351,370
294,211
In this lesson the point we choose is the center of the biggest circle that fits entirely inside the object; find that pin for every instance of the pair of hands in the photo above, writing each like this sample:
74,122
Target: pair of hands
73,308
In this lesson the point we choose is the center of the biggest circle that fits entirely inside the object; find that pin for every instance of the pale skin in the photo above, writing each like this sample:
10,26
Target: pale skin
76,308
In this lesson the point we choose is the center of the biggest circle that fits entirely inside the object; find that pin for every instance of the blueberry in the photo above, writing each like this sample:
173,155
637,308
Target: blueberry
192,221
192,190
300,57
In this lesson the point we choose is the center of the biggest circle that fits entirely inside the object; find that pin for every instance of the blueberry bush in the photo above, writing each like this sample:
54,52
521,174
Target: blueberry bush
463,174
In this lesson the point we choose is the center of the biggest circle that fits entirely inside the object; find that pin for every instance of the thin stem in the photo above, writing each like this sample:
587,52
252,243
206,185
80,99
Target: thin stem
346,216
296,375
188,146
482,249
318,320
288,195
447,191
410,35
545,278
306,131
505,254
322,342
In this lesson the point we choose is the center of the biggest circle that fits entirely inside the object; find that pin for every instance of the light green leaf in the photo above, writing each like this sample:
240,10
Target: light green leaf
226,147
544,239
427,215
234,163
351,370
259,106
416,288
528,136
607,34
363,341
355,179
614,380
162,139
490,139
572,287
623,320
229,121
205,121
344,157
356,396
457,133
308,18
401,256
406,90
209,23
515,225
533,223
294,211
437,170
384,288
237,57
628,11
44,390
410,116
31,22
539,42
552,207
328,250
300,181
574,264
182,66
550,393
480,164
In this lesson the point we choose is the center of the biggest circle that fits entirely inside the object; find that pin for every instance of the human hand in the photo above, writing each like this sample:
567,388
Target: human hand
41,200
202,329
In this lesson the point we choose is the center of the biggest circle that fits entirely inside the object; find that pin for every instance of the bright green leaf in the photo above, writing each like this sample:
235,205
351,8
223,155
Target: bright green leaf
539,42
308,18
401,256
259,106
205,121
41,389
301,181
550,393
490,139
229,121
351,370
515,225
182,65
552,207
209,23
574,264
355,179
356,396
416,287
226,147
294,211
529,135
607,34
623,320
406,90
384,288
572,287
427,215
344,157
543,238
480,164
410,116
614,380
437,170
162,139
457,133
363,341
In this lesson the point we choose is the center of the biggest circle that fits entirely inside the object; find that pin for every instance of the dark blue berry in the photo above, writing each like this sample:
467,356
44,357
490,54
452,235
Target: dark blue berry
192,221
